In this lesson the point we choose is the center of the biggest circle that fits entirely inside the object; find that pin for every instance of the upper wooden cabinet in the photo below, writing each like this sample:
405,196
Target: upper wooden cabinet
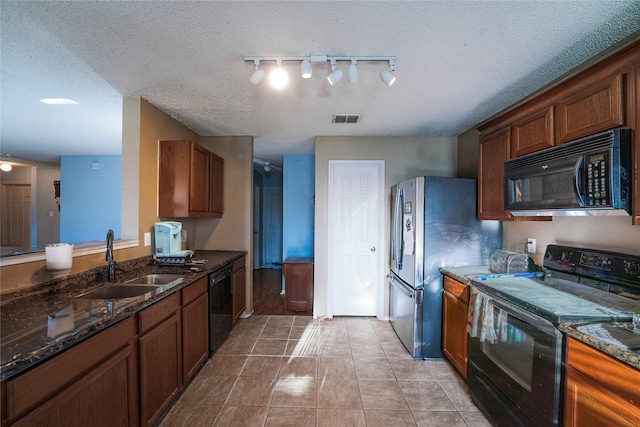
190,181
533,133
598,107
605,95
494,151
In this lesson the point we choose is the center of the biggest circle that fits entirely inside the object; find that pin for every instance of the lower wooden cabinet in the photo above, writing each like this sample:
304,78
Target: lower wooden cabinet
454,325
160,352
91,384
239,288
599,390
298,284
195,328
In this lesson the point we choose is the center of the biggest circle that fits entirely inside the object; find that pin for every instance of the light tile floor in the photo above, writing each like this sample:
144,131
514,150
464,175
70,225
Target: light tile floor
297,371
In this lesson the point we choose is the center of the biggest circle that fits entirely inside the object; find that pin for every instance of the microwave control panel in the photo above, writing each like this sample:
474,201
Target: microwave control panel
598,191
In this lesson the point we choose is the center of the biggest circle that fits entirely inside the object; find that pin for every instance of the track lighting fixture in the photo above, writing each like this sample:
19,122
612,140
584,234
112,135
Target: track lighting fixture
352,73
258,74
387,76
305,68
335,76
279,78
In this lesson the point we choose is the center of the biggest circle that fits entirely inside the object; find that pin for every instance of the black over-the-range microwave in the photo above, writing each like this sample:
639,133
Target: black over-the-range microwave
587,176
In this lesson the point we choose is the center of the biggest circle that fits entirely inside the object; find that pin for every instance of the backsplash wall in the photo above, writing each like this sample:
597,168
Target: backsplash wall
608,233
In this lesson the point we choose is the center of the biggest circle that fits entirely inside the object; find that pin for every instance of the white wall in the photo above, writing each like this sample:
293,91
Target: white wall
405,157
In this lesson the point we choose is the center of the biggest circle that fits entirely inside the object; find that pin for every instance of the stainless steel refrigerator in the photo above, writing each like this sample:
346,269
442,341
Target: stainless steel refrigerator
433,225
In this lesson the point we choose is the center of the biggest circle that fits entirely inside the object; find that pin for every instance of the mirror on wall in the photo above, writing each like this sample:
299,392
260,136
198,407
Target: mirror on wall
74,202
61,121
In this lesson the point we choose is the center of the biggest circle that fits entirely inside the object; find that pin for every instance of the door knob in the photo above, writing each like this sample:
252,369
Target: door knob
373,248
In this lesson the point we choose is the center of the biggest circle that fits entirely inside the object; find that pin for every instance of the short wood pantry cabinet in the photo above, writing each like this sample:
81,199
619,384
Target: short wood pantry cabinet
126,375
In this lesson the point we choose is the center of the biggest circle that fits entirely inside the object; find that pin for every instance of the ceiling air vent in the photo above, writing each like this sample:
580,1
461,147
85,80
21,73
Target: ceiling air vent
346,118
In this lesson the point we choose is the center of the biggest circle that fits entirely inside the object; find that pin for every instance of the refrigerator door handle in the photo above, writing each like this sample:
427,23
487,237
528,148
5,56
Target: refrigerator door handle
398,241
402,287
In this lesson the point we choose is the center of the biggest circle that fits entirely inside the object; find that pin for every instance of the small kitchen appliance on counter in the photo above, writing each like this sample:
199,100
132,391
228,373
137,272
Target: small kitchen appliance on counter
515,347
168,244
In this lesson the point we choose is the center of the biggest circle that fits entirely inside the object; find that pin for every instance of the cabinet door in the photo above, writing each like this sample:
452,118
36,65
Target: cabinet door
599,390
595,108
174,178
535,132
454,324
298,288
589,404
239,288
494,151
216,184
160,368
200,176
51,380
195,336
104,397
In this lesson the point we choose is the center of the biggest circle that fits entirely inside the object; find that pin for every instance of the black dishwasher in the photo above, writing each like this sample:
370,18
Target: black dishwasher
220,307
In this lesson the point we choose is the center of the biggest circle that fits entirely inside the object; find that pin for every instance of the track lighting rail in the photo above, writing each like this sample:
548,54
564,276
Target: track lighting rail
278,77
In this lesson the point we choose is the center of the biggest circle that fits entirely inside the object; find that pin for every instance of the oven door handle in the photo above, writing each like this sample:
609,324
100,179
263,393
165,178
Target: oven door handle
533,320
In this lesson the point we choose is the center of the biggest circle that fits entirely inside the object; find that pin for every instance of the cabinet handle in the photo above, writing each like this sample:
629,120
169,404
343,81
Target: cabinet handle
373,248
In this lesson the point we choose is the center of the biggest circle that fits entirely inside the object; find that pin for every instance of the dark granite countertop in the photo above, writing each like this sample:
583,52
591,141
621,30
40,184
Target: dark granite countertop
567,325
464,274
38,322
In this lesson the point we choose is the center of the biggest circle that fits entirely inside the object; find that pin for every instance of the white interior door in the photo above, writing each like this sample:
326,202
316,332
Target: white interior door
356,193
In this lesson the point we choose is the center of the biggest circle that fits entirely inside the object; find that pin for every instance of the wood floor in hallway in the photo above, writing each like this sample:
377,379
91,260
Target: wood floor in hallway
267,300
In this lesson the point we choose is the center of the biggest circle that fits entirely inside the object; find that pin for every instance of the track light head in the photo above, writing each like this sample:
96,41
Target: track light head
387,76
278,77
258,74
352,73
305,69
335,76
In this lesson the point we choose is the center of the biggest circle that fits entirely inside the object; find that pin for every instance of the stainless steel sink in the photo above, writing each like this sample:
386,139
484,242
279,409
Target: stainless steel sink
157,279
118,291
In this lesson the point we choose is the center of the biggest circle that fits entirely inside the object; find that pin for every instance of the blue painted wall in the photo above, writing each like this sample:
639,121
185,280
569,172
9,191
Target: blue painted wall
90,197
298,190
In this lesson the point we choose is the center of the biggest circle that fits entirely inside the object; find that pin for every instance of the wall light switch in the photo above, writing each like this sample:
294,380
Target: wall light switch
531,247
147,239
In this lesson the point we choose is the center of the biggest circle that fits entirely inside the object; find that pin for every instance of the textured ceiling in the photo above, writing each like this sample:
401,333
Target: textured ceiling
458,63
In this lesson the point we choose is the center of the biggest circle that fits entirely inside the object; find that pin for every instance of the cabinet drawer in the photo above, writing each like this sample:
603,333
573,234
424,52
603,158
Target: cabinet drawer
460,290
238,264
42,382
149,317
194,290
617,376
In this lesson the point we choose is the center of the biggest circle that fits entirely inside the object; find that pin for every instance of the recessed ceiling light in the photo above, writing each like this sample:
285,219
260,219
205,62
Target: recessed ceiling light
58,101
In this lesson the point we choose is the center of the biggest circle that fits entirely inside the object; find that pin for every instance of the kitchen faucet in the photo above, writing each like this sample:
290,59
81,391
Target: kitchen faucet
111,266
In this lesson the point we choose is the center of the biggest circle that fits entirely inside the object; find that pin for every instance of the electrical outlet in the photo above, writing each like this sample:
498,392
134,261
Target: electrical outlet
531,247
147,239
